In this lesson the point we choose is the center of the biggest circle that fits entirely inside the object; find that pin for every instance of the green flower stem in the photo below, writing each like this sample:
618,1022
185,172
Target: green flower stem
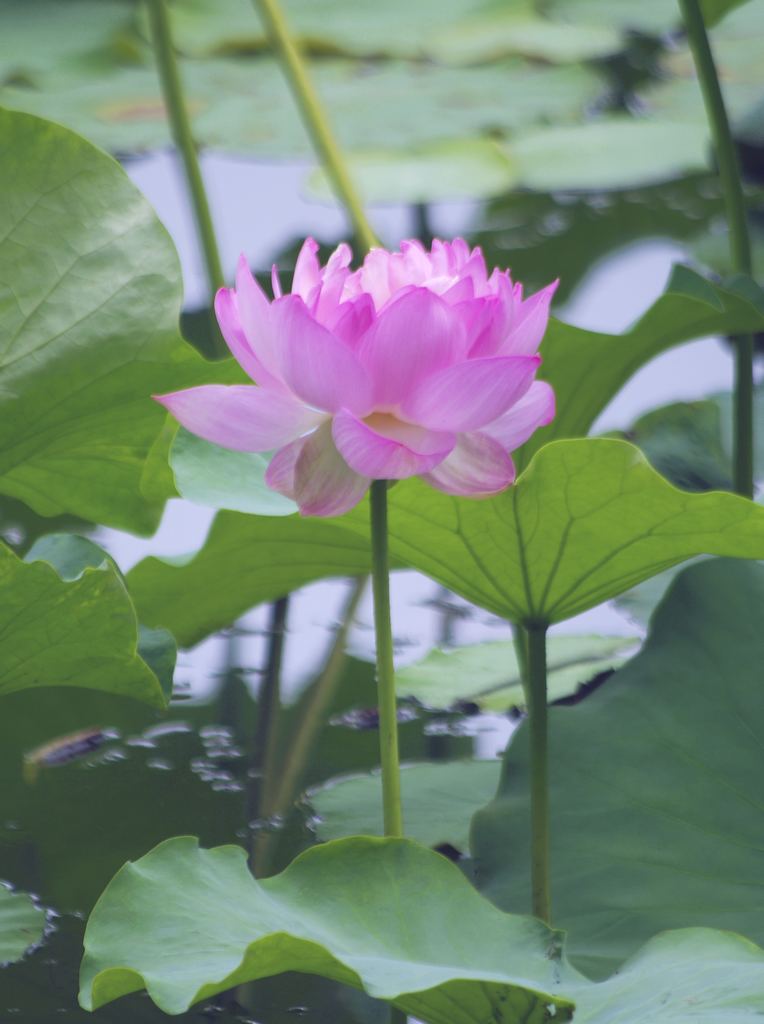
388,719
314,118
537,722
740,243
172,92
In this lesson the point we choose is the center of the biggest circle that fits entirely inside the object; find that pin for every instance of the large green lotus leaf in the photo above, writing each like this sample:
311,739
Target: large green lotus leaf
67,620
587,369
681,977
488,674
584,522
244,105
656,804
587,520
70,556
21,924
439,800
88,314
244,561
394,919
388,916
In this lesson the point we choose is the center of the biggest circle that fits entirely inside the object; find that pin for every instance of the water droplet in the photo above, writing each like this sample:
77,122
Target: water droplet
156,732
140,741
110,757
217,732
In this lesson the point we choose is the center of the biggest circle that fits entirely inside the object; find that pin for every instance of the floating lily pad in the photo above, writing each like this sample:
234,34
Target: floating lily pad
613,152
488,674
471,168
451,30
244,106
438,802
519,28
22,924
45,33
610,153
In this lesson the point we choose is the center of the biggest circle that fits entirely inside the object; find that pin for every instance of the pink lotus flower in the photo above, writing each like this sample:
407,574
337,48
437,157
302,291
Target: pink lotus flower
417,364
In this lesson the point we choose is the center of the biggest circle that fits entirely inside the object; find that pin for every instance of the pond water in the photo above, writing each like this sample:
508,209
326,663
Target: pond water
198,769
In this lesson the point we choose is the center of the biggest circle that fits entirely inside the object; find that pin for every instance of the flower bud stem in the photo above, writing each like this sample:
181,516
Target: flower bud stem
537,723
740,243
314,118
388,718
172,93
